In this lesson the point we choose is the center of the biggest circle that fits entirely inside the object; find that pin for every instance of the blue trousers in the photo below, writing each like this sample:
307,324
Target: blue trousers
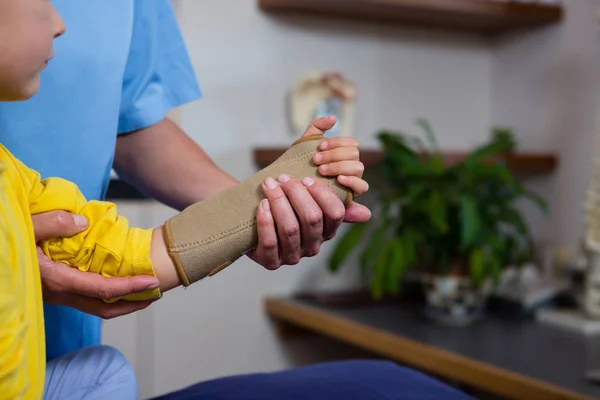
92,373
348,380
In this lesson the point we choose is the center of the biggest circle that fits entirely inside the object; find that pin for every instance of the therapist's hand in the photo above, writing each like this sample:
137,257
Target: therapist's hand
299,218
84,291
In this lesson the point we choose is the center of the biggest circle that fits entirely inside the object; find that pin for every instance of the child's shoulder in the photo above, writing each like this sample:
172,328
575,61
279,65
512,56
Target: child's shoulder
10,166
6,157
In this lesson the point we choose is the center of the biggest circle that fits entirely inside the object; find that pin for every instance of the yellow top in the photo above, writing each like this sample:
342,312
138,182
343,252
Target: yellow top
108,247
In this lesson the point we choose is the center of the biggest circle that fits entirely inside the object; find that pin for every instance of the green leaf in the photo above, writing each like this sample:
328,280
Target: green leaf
403,255
494,148
394,256
424,124
495,255
416,190
375,246
505,135
396,143
416,143
402,159
395,252
477,265
436,158
470,221
537,200
345,246
437,211
488,173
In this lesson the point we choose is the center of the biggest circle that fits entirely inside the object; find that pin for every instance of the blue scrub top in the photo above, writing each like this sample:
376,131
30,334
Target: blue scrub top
121,65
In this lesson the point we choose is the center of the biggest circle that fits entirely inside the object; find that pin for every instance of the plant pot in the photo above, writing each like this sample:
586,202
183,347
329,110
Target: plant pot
453,300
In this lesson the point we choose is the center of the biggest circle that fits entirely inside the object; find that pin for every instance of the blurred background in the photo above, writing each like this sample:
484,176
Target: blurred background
521,77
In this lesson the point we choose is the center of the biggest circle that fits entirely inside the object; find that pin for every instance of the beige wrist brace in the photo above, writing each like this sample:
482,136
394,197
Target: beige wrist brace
210,235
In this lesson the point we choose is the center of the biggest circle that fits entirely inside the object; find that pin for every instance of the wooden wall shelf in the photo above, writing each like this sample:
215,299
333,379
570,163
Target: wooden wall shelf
527,163
478,16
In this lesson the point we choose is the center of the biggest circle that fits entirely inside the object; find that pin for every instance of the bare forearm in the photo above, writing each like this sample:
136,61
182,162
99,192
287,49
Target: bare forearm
165,164
161,262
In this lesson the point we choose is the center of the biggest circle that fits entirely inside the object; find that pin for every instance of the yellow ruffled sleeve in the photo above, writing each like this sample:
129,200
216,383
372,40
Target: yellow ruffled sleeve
109,246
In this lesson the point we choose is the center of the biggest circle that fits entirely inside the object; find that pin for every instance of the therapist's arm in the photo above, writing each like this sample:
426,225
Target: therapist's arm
164,163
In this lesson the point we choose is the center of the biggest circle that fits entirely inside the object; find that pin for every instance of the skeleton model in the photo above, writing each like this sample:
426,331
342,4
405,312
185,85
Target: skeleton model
591,241
586,319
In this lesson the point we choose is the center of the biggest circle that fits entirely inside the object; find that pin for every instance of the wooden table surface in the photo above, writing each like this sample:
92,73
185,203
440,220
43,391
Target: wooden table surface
516,359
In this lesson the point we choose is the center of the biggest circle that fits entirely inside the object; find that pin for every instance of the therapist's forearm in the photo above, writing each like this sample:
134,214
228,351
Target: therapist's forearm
165,164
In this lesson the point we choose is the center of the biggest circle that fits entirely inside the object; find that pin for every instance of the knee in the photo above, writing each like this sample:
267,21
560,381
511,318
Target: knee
114,369
114,361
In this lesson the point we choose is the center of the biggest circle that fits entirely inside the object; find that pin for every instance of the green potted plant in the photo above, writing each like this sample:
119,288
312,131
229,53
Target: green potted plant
456,224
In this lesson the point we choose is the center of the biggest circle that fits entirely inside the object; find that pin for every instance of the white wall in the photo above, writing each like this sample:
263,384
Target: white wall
245,62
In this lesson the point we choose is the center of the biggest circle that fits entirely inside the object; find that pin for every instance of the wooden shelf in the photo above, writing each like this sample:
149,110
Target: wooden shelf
528,163
479,16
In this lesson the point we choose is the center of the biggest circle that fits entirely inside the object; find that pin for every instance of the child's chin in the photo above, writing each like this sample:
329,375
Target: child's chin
29,90
20,95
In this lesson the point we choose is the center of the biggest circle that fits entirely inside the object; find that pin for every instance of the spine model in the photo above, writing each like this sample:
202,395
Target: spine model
591,240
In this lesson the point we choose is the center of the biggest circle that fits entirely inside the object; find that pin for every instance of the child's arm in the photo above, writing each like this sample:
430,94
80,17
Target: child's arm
111,248
337,157
108,246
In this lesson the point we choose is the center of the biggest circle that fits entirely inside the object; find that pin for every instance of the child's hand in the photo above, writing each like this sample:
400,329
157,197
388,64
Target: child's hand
340,157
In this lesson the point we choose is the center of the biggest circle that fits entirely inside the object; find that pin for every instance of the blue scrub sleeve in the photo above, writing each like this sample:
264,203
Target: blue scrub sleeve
158,75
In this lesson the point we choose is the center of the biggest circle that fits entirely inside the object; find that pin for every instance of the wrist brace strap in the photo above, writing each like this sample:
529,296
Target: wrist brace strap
210,235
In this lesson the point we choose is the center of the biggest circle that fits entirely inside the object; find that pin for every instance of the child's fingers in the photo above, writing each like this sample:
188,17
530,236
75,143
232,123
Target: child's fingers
348,168
354,183
319,126
337,154
343,141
